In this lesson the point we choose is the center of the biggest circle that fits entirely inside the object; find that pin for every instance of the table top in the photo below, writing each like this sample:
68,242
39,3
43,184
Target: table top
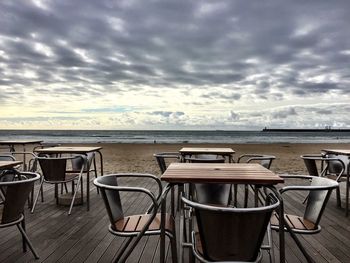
338,151
194,150
232,173
9,164
12,142
72,149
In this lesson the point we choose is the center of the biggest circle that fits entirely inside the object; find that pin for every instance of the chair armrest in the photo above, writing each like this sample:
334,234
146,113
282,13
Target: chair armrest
147,192
251,157
150,176
306,187
167,155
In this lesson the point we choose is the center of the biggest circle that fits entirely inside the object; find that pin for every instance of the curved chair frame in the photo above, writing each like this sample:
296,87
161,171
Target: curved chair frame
15,196
45,177
203,193
330,165
110,194
318,196
226,212
265,160
160,158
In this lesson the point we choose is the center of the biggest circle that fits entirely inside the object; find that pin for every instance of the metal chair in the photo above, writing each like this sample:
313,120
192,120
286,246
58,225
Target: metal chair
162,159
319,191
330,166
15,188
6,157
163,156
54,172
205,158
214,194
338,169
227,234
134,225
264,160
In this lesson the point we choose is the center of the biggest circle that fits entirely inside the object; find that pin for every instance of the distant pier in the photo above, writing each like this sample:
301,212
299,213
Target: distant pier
305,130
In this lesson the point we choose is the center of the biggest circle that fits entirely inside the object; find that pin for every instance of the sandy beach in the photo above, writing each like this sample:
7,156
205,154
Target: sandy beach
139,157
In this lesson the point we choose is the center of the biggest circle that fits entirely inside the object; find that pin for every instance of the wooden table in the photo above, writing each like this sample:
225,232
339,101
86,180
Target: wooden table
12,143
9,164
230,173
226,152
76,150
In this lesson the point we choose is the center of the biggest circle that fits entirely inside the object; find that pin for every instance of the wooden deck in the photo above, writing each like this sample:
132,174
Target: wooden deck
84,237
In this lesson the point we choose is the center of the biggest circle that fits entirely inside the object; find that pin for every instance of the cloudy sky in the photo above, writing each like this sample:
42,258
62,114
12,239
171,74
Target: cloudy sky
174,64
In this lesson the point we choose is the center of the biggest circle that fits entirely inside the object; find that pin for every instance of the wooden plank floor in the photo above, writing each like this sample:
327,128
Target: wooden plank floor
84,237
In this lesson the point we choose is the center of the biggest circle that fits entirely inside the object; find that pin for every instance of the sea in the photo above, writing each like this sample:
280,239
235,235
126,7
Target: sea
175,136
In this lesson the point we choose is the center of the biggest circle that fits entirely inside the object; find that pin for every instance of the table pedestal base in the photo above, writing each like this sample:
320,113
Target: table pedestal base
66,199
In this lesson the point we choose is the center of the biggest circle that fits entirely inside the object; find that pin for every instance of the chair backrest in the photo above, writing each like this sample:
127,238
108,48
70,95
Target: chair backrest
111,197
78,162
335,166
161,159
16,192
232,234
310,163
264,159
215,194
205,158
54,169
318,198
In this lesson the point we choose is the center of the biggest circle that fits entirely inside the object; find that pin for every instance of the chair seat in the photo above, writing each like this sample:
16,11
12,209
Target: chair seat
135,223
296,223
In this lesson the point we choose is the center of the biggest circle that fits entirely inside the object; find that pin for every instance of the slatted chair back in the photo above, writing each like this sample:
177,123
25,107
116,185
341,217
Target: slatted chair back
16,192
111,198
162,157
215,194
317,199
231,234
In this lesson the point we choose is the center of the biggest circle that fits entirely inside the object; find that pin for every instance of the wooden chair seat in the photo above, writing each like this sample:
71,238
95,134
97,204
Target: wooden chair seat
135,223
294,222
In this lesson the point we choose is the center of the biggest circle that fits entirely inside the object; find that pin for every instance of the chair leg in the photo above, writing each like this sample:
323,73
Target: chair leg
347,196
37,195
245,195
270,244
73,198
26,239
82,190
95,172
122,249
173,248
338,197
42,193
56,193
300,246
235,189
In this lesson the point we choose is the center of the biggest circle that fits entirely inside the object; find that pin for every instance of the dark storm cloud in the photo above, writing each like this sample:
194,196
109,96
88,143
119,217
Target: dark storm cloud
168,113
222,95
284,113
178,42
